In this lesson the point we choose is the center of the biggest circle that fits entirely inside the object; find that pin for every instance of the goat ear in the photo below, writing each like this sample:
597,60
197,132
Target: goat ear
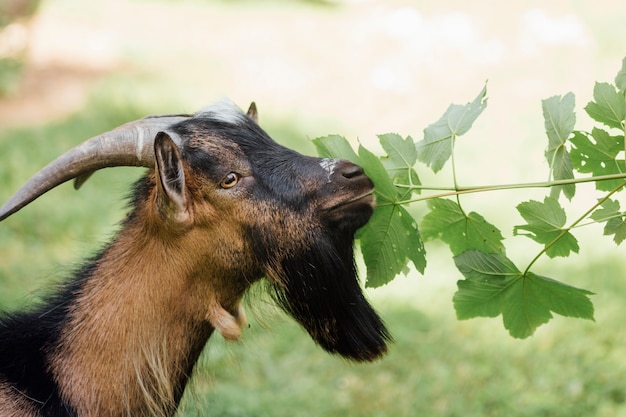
172,202
253,112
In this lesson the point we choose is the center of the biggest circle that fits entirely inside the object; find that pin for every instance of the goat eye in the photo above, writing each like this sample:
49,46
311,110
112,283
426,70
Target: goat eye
230,180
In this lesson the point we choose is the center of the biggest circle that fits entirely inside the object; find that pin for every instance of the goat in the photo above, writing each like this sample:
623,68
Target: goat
221,207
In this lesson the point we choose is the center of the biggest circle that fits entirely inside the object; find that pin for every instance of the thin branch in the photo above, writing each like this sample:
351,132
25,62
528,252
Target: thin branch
451,191
574,224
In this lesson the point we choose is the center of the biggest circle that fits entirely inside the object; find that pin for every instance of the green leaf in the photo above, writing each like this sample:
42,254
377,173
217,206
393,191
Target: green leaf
389,241
383,184
475,298
559,119
614,218
596,154
399,162
609,106
620,79
608,209
616,227
446,221
401,152
562,299
488,267
487,277
545,225
494,286
531,300
436,147
335,146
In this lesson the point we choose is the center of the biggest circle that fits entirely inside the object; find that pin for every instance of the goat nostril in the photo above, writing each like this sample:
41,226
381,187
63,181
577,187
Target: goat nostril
350,171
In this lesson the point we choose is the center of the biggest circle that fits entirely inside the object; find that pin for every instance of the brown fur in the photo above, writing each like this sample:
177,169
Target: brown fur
127,338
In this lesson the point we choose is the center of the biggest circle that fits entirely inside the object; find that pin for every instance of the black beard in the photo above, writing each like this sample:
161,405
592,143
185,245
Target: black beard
318,286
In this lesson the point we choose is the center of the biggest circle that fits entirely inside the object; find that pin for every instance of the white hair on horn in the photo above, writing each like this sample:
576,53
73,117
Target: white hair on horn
224,111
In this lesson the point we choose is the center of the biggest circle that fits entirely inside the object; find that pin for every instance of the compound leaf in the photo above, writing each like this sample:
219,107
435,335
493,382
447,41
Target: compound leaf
562,299
532,299
596,154
475,298
446,221
461,118
608,209
487,276
383,184
335,146
608,107
399,162
559,119
493,285
389,241
479,266
436,147
545,223
610,213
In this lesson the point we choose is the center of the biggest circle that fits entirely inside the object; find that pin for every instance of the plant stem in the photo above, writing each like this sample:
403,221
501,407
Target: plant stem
456,185
453,191
574,224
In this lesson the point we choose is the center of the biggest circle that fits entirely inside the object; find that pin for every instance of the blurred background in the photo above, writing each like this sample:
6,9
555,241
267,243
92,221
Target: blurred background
71,69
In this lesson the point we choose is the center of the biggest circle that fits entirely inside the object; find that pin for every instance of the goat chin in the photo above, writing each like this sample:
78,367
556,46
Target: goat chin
319,288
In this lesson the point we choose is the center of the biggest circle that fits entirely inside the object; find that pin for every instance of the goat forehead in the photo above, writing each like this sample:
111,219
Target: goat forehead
283,162
248,141
214,145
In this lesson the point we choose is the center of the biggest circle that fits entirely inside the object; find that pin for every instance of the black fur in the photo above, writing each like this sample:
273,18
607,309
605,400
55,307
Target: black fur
319,288
27,337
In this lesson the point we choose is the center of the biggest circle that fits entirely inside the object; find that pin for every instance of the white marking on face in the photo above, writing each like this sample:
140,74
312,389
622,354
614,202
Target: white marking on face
329,166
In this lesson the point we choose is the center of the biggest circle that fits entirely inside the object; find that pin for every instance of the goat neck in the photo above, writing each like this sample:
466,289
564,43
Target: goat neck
137,325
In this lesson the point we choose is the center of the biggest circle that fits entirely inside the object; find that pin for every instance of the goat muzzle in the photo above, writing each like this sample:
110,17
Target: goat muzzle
350,195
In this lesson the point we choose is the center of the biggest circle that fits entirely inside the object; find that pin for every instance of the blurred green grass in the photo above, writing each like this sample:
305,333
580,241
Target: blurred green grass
437,365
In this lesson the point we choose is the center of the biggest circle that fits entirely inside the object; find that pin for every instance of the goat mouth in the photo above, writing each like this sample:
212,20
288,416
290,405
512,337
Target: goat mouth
352,213
365,199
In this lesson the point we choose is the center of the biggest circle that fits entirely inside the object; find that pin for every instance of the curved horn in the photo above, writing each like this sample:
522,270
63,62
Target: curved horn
128,145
